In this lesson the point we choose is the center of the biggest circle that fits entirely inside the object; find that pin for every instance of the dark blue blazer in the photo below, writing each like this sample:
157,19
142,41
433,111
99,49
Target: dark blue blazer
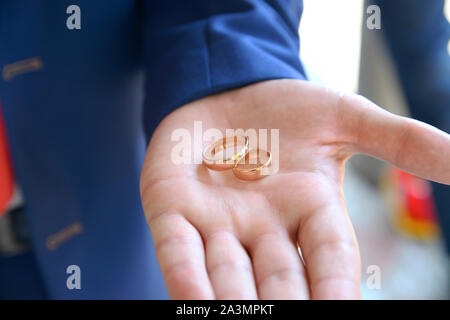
80,105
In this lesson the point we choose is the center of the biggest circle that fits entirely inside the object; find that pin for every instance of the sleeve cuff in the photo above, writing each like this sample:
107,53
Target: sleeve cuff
188,62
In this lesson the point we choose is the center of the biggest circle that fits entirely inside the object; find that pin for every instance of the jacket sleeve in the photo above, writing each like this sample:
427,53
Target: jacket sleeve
199,47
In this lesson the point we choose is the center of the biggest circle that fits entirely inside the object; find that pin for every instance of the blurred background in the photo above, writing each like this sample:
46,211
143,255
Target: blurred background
393,213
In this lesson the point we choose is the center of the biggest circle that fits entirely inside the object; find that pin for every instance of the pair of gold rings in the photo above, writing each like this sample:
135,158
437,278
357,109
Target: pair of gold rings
232,152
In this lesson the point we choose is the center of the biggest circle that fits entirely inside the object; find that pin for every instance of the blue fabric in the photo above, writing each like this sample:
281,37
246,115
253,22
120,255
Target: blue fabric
418,33
232,43
20,278
78,128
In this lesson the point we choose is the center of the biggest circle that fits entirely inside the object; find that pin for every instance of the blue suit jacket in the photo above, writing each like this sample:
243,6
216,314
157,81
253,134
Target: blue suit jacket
79,106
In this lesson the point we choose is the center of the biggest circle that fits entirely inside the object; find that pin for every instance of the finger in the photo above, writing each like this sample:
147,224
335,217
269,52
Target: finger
180,253
279,272
331,254
409,144
229,267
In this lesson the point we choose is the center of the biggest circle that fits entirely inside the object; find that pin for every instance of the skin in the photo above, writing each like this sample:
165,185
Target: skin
218,237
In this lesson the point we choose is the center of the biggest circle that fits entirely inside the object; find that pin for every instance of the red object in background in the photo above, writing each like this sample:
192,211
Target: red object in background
411,204
6,177
418,197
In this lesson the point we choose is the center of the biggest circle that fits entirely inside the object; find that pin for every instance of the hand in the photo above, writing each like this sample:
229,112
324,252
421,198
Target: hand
220,237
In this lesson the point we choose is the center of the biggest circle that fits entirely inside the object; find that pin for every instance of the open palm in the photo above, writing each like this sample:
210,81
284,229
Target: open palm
220,237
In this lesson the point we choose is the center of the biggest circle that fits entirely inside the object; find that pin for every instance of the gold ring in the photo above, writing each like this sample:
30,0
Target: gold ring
216,155
250,167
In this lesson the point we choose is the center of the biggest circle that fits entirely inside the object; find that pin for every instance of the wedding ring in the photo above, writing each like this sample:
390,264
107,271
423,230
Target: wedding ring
224,153
250,167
